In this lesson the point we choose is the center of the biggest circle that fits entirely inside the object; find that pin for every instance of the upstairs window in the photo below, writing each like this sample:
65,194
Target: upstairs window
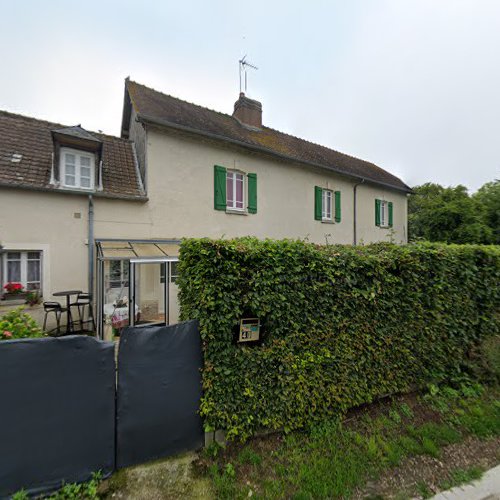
235,188
326,214
327,205
383,213
77,169
235,191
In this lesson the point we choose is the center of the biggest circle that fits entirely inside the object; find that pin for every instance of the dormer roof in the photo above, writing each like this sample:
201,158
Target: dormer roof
76,133
27,152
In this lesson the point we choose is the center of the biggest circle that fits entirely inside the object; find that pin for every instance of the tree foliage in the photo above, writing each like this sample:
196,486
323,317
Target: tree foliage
489,197
451,215
341,325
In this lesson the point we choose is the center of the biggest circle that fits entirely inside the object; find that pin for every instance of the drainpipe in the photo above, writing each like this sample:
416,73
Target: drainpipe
91,246
355,210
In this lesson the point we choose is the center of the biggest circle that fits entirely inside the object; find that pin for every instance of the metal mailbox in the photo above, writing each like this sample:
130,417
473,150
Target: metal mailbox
249,330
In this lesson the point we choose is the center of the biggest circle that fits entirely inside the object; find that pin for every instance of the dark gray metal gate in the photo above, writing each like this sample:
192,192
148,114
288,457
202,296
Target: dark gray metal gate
159,391
57,400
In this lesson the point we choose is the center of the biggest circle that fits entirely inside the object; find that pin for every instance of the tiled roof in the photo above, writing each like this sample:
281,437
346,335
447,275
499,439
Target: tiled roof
26,147
78,132
166,110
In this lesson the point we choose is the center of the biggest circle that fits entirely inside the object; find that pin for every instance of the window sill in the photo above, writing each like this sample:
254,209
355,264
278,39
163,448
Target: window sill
327,222
77,189
16,303
12,302
236,212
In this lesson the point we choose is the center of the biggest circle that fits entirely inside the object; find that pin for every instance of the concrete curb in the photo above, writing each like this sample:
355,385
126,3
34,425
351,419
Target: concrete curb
486,488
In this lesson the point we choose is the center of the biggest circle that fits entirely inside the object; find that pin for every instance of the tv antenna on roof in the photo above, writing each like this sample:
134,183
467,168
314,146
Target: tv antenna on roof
244,64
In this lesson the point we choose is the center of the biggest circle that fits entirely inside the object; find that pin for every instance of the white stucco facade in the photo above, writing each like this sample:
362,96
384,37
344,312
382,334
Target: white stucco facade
180,187
179,177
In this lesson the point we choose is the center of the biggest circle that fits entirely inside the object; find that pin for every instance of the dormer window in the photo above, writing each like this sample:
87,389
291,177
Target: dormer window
76,154
77,169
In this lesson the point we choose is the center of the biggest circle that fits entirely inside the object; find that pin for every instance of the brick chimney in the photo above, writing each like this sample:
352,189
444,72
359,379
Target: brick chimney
248,111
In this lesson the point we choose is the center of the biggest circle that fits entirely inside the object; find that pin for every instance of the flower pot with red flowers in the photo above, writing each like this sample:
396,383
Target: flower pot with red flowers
14,291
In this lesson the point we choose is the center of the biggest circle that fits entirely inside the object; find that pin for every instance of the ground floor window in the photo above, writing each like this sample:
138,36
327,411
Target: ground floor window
23,267
118,273
174,272
116,281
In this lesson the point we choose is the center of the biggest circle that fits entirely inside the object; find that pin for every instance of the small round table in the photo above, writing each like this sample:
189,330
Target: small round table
67,294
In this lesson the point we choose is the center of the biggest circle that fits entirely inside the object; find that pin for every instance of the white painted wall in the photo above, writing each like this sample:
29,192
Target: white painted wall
181,195
180,178
43,221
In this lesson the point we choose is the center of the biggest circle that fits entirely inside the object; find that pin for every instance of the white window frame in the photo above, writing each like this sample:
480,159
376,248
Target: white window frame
325,195
123,282
24,269
174,271
78,155
234,174
384,213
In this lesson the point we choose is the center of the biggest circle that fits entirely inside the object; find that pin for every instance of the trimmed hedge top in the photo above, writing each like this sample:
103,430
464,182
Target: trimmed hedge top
341,325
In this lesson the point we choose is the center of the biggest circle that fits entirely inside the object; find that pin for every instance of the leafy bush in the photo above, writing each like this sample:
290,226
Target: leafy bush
485,362
80,491
341,325
18,325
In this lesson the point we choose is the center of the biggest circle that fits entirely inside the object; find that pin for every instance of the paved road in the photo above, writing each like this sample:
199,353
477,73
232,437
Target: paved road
486,488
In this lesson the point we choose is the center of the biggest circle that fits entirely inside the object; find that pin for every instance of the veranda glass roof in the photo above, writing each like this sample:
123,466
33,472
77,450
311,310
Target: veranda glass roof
136,249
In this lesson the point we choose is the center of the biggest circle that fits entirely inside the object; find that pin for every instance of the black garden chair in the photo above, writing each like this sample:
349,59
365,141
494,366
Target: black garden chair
58,310
84,300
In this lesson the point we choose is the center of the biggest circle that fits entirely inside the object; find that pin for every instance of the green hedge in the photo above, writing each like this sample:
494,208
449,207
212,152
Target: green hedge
342,325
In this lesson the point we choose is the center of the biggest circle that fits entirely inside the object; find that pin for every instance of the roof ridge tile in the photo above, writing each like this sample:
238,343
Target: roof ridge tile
173,111
183,100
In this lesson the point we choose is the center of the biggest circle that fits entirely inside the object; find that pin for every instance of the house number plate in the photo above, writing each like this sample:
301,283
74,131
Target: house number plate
249,330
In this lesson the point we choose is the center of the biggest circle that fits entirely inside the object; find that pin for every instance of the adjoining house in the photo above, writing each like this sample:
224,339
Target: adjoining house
74,203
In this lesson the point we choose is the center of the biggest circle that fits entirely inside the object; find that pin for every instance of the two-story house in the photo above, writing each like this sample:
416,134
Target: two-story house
179,170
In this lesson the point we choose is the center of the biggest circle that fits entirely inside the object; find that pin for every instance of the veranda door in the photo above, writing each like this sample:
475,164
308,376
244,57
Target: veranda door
149,292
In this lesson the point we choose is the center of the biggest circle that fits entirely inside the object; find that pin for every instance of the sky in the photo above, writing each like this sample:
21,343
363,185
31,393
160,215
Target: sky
411,85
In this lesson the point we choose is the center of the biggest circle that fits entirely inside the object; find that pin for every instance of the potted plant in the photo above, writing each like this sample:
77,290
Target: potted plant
33,298
14,291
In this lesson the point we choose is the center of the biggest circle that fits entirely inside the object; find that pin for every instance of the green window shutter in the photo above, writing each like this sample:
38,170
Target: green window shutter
219,188
377,212
390,214
252,193
318,203
338,209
